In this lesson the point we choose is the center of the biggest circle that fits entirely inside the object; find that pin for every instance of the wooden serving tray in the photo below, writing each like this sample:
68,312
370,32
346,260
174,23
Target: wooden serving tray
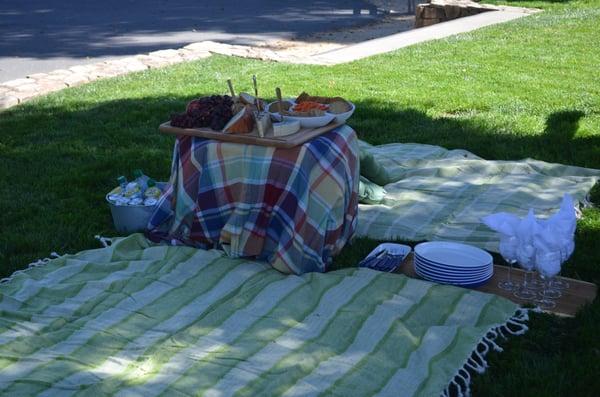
578,294
252,138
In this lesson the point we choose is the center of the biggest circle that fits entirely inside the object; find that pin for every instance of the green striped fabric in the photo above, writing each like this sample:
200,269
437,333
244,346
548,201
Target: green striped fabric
439,194
134,319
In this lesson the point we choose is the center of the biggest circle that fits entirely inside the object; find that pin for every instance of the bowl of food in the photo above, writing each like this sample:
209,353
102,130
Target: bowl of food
286,104
312,121
342,110
311,115
338,106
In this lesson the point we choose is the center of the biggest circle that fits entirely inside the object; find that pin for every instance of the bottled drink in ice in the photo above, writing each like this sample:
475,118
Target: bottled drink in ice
141,180
117,193
152,193
136,201
150,201
152,190
132,190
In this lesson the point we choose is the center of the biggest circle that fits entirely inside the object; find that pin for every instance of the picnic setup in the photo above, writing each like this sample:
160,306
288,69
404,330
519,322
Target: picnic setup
222,282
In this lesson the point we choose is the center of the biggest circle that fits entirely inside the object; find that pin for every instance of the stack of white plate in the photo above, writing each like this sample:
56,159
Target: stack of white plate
453,263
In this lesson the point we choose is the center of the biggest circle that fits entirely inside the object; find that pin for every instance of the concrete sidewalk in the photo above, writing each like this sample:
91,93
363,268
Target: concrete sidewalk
415,36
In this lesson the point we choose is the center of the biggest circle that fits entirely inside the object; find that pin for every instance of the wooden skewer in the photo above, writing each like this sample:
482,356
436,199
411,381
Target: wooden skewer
230,88
279,107
257,102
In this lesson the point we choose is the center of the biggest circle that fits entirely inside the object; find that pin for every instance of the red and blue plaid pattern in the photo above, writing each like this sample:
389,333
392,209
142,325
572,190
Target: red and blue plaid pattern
294,208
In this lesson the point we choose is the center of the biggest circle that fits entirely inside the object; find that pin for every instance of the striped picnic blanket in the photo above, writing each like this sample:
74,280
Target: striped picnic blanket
134,319
439,194
294,208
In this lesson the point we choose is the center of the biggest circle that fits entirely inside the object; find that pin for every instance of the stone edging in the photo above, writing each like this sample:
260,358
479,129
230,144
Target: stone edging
17,91
437,11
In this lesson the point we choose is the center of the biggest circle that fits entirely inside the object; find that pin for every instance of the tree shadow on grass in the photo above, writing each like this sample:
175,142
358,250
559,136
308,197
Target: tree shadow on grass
61,161
563,125
58,162
379,124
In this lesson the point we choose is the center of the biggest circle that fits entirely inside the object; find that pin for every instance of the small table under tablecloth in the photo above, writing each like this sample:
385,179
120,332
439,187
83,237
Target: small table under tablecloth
294,208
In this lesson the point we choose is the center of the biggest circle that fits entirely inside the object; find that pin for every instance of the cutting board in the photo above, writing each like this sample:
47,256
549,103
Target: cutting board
285,142
576,296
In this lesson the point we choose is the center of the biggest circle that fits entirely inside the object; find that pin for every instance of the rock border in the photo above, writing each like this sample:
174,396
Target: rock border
437,11
17,91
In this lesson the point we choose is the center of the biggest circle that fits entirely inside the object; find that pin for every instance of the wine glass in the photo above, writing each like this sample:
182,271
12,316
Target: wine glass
548,264
508,250
567,247
534,283
526,260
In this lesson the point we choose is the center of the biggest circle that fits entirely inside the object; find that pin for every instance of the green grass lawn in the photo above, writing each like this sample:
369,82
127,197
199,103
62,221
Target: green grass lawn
528,88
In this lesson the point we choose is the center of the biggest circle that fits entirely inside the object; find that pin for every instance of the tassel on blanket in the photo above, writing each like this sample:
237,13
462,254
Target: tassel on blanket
105,241
460,385
39,262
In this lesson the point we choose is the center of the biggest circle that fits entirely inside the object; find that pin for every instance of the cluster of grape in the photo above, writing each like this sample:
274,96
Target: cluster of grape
209,111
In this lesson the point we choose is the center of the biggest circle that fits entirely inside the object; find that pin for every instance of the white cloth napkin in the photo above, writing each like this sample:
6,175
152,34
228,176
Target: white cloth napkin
503,223
538,237
547,245
562,225
526,229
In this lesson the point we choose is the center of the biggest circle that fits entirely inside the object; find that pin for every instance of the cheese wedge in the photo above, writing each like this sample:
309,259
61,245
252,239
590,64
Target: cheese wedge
263,123
286,127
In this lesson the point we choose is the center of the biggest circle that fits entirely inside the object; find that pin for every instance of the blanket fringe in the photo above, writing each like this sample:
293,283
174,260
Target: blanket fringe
38,263
105,241
460,385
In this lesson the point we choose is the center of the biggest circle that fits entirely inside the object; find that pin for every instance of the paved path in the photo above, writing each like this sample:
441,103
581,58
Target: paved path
40,35
393,42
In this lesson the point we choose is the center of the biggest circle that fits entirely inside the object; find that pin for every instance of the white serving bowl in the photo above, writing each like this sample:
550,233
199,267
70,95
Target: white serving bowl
311,122
342,117
305,122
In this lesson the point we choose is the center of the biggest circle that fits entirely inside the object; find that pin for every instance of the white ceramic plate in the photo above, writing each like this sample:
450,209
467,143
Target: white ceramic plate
453,254
432,273
425,268
464,273
452,269
468,284
462,279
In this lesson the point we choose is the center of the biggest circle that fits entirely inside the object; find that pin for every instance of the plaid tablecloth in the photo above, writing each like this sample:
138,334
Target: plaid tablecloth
295,208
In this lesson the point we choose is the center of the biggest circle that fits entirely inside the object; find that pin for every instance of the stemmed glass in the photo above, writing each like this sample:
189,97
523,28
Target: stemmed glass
534,282
508,250
548,264
526,260
566,250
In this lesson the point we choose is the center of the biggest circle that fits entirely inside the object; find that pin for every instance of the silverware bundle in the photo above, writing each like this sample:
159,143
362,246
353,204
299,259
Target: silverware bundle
386,257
